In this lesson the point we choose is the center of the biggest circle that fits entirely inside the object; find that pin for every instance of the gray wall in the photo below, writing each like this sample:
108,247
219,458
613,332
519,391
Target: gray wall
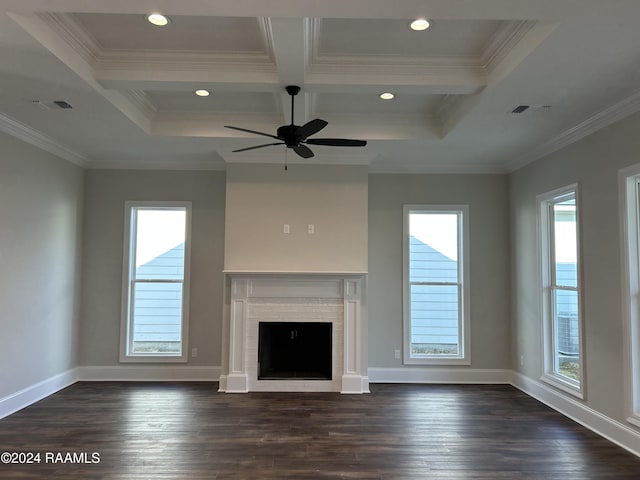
40,240
262,198
106,192
486,196
594,163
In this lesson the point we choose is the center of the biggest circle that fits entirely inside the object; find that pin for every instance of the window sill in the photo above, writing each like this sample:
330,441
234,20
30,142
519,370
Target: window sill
437,361
153,359
563,385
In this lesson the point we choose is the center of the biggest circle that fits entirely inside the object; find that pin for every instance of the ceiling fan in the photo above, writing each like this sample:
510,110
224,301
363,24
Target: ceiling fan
295,136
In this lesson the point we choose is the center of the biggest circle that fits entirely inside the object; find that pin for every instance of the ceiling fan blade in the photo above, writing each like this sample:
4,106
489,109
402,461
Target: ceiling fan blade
257,146
252,131
303,151
309,128
336,142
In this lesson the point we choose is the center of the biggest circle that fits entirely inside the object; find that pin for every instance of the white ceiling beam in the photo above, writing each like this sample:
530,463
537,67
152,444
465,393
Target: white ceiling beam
552,10
364,127
141,77
289,39
462,81
208,124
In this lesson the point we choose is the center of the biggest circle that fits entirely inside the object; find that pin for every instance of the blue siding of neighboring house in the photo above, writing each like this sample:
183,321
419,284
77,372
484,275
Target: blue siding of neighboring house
158,306
567,310
434,308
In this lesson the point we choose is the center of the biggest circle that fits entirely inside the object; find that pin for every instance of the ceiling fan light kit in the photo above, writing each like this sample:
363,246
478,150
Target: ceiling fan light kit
295,136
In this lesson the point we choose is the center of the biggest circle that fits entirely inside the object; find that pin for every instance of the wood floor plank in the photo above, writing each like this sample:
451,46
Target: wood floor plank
189,431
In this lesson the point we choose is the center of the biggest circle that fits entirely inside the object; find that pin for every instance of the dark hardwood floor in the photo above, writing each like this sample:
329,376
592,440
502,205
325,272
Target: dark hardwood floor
190,431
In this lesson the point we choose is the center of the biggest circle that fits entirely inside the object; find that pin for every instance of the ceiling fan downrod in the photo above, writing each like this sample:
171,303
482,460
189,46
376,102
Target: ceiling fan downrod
292,90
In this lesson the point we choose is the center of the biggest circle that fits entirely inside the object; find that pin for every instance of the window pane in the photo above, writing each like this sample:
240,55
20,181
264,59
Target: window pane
565,243
434,320
566,334
160,236
433,247
157,317
157,283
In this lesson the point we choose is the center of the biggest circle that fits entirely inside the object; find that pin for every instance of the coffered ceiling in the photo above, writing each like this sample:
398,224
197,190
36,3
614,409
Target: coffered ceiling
131,85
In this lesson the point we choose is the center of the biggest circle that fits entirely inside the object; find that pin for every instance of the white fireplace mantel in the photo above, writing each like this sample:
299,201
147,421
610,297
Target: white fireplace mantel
336,297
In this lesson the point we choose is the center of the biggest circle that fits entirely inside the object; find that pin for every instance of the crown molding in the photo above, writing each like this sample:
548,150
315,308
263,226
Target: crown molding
33,137
600,120
388,166
76,37
503,41
141,102
213,164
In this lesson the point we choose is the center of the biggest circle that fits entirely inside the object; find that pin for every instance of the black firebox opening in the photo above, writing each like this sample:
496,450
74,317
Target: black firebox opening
294,350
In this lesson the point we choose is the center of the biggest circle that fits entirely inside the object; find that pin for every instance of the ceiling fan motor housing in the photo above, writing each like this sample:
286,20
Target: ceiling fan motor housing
288,134
292,90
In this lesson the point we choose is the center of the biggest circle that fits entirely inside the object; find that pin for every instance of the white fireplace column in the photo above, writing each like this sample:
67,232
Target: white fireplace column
335,298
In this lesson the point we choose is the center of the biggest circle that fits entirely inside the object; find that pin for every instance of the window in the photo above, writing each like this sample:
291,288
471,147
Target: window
561,289
630,201
155,281
436,290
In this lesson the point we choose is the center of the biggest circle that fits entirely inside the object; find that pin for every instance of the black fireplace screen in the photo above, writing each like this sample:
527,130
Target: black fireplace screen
294,350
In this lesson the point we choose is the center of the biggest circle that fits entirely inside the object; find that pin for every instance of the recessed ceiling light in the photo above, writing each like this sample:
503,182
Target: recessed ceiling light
420,24
158,19
202,93
387,96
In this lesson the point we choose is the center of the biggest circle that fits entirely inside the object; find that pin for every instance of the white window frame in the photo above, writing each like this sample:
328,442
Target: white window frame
127,272
547,288
464,323
629,183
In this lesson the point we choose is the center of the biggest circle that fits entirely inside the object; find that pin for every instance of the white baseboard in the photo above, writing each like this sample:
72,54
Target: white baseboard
438,375
148,373
27,396
604,426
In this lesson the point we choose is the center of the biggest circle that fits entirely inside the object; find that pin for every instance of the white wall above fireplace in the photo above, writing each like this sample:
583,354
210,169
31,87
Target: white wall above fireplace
262,199
258,297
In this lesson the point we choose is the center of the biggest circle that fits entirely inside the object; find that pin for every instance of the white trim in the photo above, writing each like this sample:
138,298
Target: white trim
343,294
126,281
30,395
384,165
595,421
629,196
439,375
464,324
148,373
546,283
19,130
